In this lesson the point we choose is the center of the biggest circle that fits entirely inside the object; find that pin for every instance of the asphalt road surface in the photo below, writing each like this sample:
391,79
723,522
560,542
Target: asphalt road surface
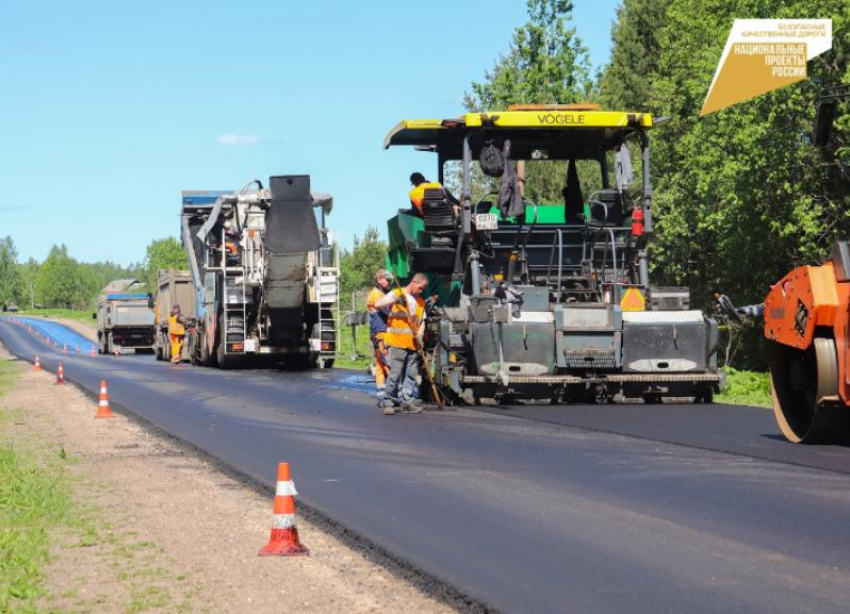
632,509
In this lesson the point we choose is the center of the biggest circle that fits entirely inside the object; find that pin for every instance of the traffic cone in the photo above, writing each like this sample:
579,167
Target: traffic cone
37,364
284,538
48,340
64,348
92,351
115,352
103,410
77,349
60,374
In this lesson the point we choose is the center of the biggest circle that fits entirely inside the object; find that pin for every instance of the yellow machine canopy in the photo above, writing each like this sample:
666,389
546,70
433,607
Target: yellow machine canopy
562,131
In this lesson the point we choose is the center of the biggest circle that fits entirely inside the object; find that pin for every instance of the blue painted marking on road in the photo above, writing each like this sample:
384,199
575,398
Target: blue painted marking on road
57,332
359,383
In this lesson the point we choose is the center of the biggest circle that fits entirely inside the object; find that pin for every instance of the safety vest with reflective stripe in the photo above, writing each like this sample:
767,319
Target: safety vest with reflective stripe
417,194
402,326
175,326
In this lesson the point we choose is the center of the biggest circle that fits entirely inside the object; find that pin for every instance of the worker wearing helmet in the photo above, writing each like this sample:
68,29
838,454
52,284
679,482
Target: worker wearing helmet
405,330
177,333
377,331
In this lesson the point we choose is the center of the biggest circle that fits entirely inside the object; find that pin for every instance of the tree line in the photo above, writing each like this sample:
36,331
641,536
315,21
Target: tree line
63,282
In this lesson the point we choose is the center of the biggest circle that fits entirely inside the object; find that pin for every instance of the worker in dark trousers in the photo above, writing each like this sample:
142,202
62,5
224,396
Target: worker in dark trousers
405,329
377,332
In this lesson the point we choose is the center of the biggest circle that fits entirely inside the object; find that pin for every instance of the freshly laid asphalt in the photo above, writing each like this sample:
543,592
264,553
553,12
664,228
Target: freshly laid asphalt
619,508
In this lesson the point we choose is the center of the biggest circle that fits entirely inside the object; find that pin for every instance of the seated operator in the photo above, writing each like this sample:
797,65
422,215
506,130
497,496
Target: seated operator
417,193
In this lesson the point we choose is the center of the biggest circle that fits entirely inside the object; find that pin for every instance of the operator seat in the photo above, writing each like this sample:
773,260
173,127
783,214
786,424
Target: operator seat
438,213
611,200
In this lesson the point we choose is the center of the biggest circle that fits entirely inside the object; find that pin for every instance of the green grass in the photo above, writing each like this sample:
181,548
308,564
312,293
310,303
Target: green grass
84,317
345,347
33,498
746,388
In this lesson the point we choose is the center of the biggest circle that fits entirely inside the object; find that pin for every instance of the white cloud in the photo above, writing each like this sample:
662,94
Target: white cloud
237,139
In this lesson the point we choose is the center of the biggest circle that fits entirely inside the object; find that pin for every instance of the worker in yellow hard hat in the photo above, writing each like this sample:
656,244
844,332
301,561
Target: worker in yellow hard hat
177,333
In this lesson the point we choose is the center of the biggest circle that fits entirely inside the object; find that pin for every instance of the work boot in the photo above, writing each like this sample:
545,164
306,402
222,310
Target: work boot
387,407
414,406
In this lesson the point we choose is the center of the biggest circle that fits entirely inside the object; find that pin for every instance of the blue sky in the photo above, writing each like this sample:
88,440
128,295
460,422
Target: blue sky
109,109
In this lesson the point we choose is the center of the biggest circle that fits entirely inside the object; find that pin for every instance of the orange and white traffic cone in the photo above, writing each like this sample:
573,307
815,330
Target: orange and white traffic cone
60,374
284,538
103,410
36,366
48,340
64,348
115,352
92,351
77,349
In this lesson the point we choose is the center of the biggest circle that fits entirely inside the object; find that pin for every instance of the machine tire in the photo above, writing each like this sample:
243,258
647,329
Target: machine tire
222,360
804,389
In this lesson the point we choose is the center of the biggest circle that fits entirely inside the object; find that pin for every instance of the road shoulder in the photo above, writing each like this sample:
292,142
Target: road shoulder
159,529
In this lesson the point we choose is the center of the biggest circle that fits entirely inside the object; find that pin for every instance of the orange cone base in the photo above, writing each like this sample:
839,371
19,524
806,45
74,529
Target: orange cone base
284,542
104,413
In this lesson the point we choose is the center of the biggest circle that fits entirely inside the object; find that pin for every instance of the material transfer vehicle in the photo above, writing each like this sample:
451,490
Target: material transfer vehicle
265,272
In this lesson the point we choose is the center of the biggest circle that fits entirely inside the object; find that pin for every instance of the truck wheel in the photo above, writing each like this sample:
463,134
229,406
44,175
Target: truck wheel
224,361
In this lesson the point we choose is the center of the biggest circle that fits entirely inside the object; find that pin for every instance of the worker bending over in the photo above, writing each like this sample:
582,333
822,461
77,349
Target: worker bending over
378,330
405,330
177,333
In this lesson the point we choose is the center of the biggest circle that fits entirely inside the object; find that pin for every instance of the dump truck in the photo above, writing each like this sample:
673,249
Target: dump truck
174,287
265,271
548,301
125,319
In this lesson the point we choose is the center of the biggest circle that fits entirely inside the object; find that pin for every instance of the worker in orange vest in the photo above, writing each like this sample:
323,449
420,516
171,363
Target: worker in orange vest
177,333
405,329
378,330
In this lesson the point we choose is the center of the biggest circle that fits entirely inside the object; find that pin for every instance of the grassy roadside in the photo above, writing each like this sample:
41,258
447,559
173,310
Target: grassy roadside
345,348
34,497
60,553
746,388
